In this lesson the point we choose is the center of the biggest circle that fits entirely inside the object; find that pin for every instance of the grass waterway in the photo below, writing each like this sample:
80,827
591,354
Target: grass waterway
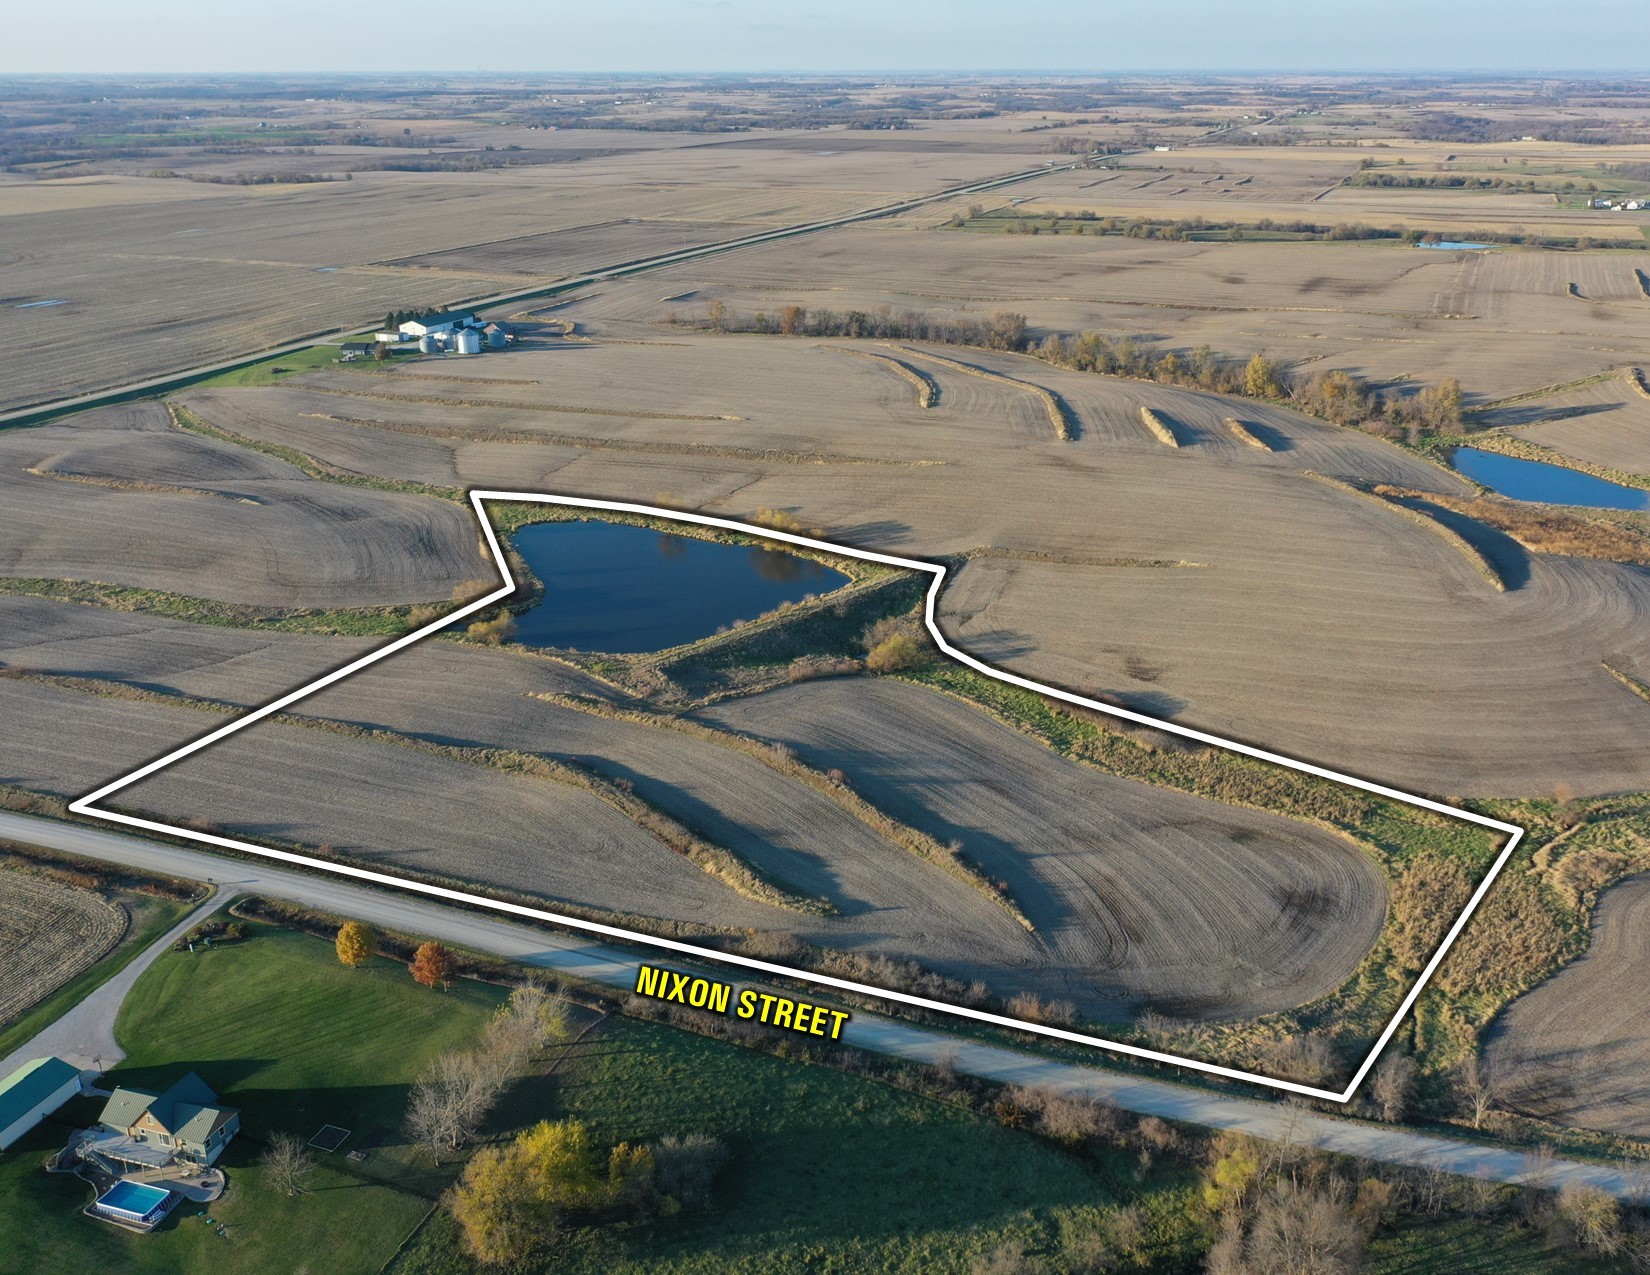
623,589
1549,484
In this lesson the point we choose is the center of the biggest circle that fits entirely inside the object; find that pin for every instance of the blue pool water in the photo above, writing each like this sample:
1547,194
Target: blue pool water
624,589
1550,484
135,1199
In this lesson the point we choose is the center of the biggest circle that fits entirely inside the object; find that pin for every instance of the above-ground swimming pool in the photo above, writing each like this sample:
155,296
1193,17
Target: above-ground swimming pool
134,1202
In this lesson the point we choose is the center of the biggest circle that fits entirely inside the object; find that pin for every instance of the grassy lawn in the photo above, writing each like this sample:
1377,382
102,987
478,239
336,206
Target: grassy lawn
294,1040
273,371
291,1037
830,1172
1467,1246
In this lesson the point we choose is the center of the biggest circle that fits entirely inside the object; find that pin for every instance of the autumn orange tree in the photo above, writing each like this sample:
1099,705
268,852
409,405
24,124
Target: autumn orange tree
356,942
432,965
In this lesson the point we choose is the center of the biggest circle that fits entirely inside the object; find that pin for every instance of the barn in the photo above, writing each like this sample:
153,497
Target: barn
441,322
33,1092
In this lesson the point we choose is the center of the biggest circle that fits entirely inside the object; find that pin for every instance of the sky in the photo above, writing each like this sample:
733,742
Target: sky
456,36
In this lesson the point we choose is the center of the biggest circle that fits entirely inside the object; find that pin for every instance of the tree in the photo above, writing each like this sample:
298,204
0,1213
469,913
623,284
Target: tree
1260,378
1300,1231
495,632
1593,1216
511,1199
1441,405
452,1098
1480,1084
432,965
1008,331
630,1181
716,314
1233,1175
895,652
381,351
1393,1086
356,942
793,320
685,1168
287,1164
537,1013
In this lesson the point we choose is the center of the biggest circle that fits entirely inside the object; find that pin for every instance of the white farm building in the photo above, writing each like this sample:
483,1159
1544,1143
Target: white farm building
33,1092
438,324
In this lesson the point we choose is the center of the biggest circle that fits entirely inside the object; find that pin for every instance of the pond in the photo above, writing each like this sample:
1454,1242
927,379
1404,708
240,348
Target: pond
1454,245
1550,484
625,589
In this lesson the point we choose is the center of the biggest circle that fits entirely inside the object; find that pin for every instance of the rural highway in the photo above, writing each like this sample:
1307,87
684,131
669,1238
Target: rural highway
174,380
615,967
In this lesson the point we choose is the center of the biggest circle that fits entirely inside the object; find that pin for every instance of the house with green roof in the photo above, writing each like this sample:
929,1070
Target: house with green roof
33,1092
185,1122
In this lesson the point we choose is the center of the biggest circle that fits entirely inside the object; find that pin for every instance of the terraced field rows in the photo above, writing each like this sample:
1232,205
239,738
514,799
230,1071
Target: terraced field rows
272,537
49,932
1145,897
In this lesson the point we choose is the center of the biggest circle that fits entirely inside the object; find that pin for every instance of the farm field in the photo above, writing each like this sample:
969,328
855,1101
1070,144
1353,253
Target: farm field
50,932
1605,423
119,496
150,285
1574,1050
1229,564
1106,946
1501,321
1368,659
1151,898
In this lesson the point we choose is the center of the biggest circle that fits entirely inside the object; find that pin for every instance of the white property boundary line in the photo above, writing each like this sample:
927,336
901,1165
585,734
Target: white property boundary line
86,805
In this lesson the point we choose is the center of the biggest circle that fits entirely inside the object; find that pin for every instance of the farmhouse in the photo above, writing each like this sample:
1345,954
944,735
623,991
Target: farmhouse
183,1123
33,1092
352,350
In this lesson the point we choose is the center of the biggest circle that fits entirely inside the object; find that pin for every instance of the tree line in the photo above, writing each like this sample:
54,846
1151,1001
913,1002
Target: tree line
1338,396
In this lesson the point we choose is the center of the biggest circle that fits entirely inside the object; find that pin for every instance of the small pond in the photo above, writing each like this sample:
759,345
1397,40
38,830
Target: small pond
625,589
1550,484
1454,245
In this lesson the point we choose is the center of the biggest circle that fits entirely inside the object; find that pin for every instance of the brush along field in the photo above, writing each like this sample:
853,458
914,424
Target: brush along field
1575,1049
1124,915
1215,582
120,496
49,932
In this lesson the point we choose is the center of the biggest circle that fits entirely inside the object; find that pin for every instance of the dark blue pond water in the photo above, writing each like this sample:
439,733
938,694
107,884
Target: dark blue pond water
610,587
1550,484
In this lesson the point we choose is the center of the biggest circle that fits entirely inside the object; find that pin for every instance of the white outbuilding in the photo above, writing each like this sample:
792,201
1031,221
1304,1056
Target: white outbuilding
441,322
33,1092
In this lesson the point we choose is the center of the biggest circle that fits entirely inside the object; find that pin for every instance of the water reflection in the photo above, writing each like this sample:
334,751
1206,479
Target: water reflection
626,589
